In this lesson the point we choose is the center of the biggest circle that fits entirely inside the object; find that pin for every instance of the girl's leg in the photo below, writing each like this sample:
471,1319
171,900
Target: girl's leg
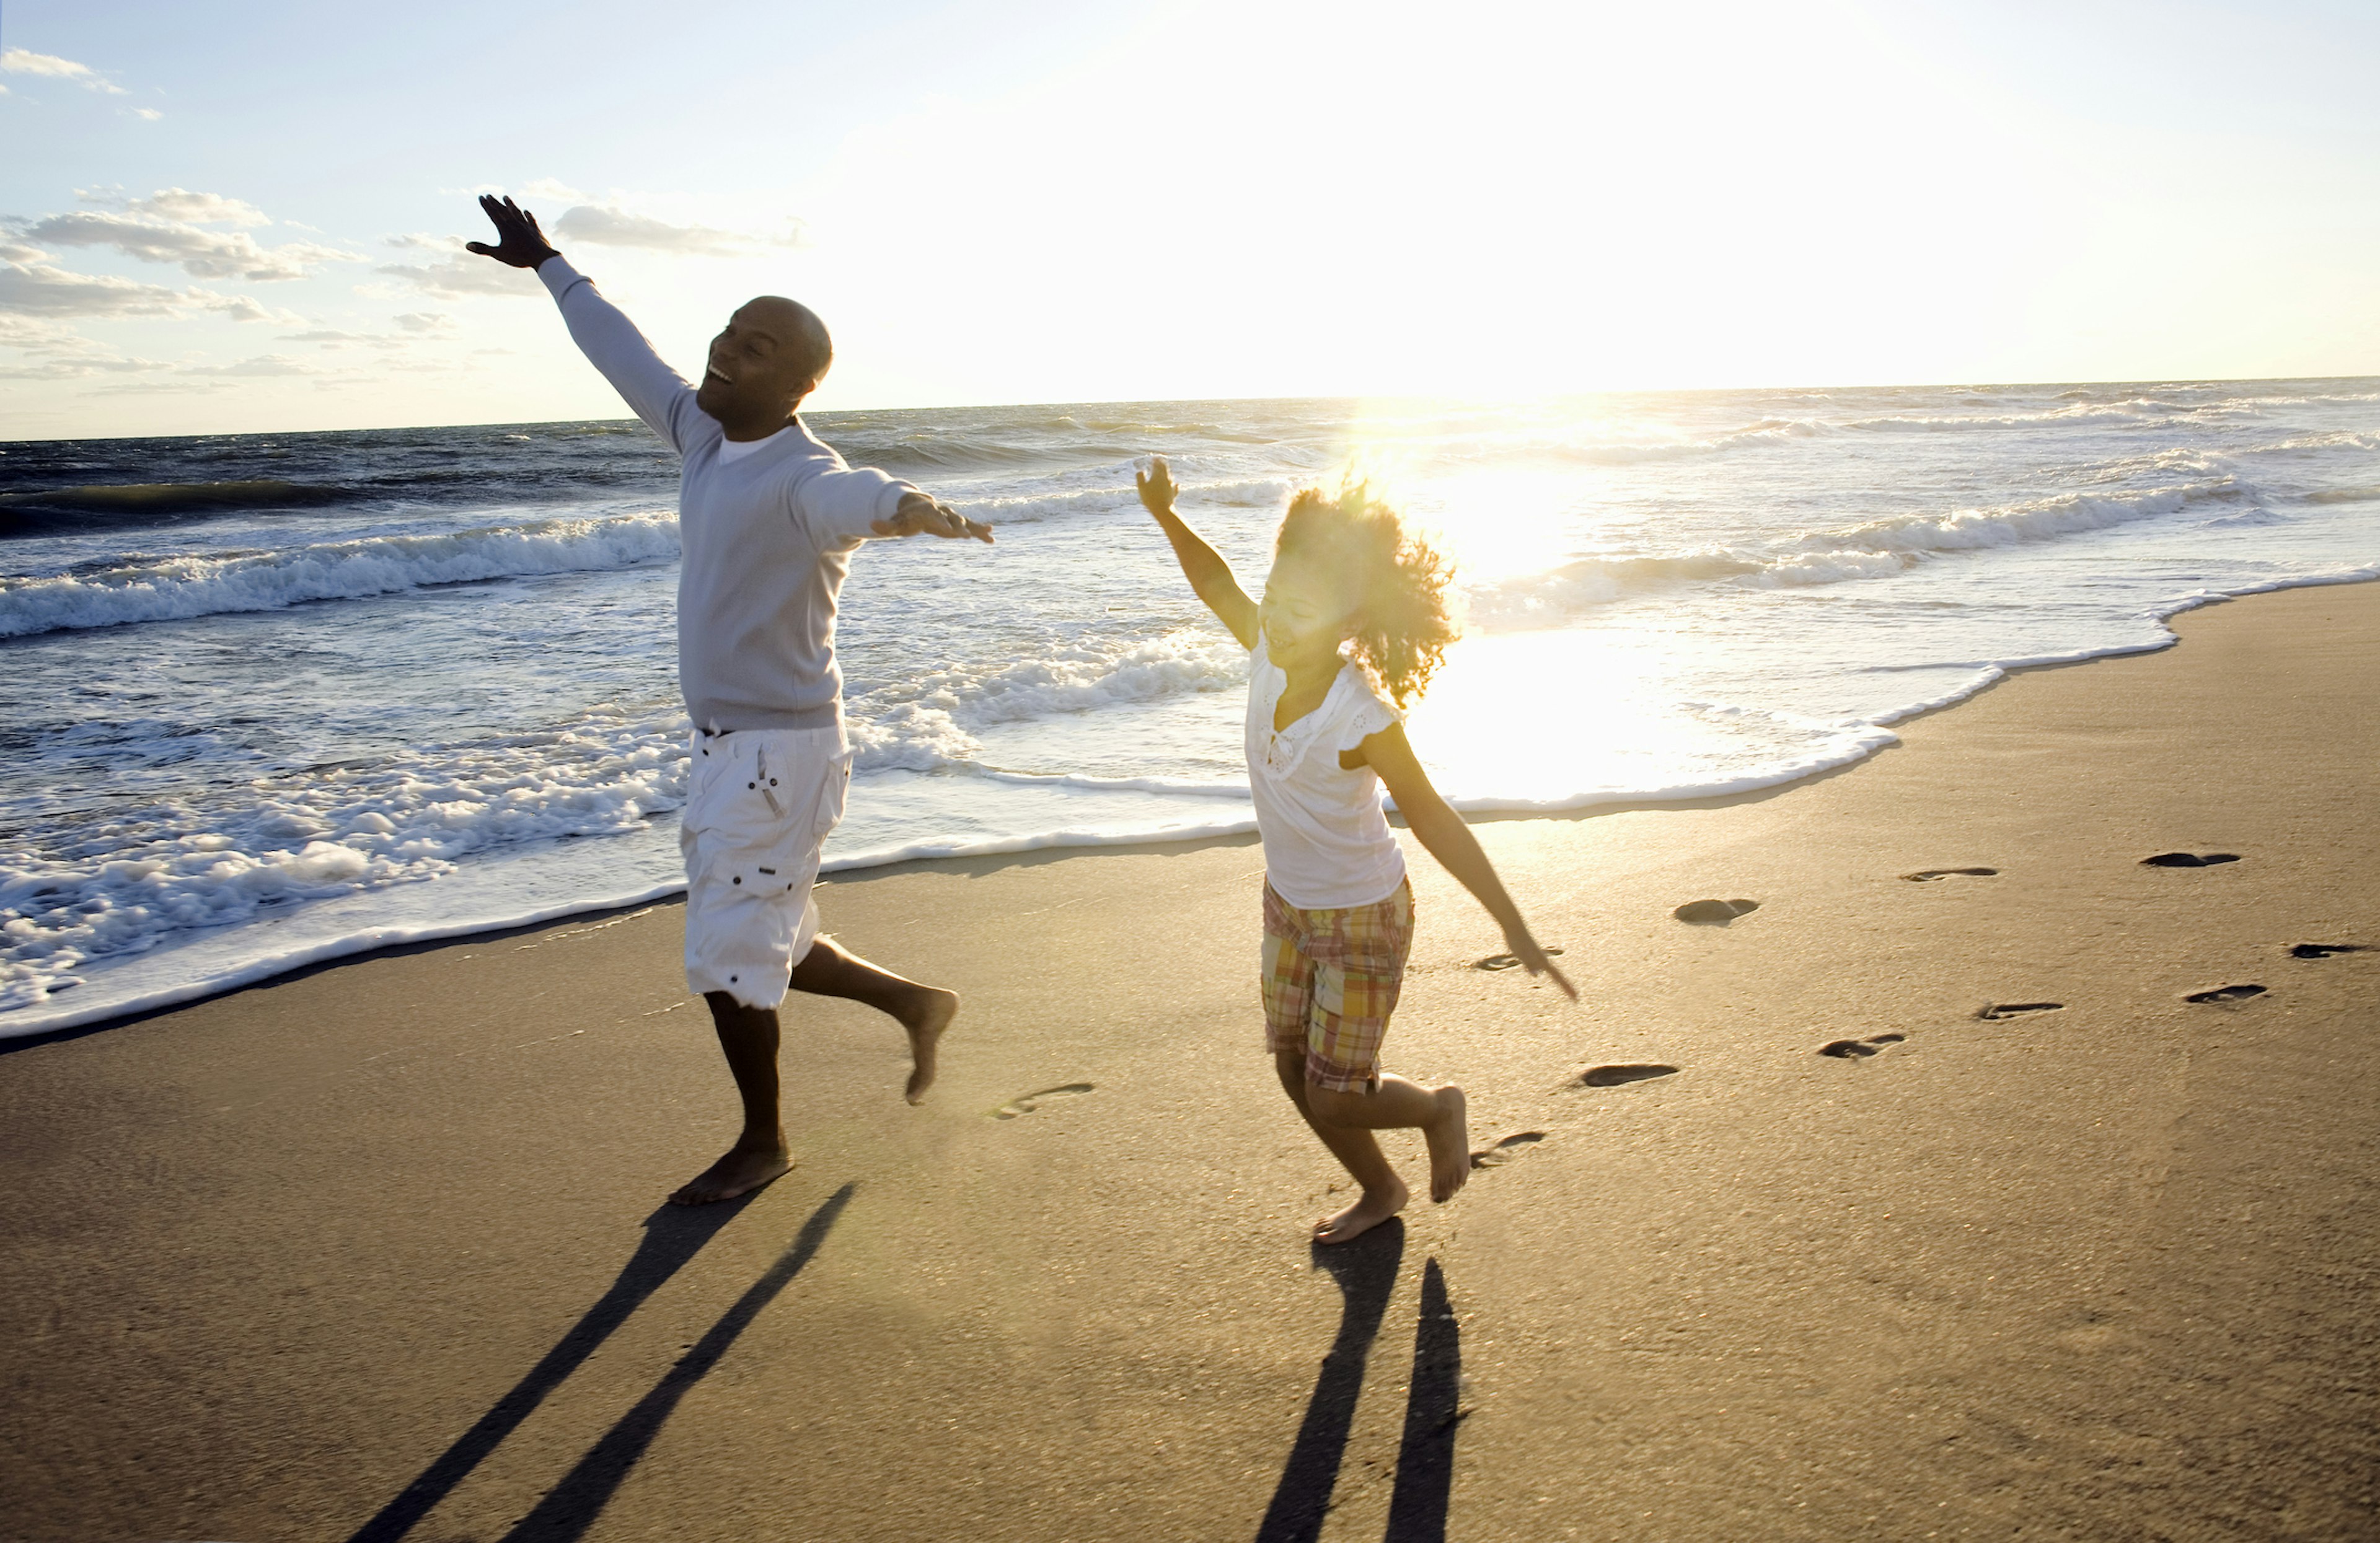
1441,1114
1383,1195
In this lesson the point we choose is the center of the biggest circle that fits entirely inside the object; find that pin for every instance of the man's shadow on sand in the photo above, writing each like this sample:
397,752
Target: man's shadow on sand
674,1234
1366,1270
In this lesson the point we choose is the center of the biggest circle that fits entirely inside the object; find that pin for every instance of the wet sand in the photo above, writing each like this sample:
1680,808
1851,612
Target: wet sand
375,1251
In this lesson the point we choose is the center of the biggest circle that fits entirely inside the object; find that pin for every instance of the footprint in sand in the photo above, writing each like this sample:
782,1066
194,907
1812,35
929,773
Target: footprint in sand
1621,1076
2323,950
1504,961
2189,859
1999,1010
1515,1146
1026,1103
2226,994
1929,874
1713,913
1855,1049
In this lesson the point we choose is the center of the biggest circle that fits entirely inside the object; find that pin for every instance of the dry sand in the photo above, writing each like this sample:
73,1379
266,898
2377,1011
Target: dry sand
380,1241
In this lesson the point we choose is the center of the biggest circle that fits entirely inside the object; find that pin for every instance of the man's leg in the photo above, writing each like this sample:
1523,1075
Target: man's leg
829,970
748,1035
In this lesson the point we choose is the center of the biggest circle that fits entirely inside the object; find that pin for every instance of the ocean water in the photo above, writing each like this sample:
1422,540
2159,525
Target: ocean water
271,698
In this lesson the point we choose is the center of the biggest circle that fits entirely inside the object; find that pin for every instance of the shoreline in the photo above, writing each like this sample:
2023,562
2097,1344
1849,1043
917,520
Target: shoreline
377,941
1923,1199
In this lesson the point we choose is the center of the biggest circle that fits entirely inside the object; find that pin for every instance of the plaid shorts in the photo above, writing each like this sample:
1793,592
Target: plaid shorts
1330,981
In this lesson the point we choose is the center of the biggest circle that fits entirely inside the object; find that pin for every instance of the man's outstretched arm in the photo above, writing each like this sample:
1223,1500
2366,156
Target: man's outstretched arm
657,393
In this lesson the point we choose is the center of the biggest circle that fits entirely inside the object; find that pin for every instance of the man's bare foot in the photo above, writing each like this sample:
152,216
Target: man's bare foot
1372,1209
929,1014
739,1172
1450,1144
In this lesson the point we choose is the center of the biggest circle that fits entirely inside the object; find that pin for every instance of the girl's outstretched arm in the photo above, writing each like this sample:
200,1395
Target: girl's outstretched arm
1442,832
1201,565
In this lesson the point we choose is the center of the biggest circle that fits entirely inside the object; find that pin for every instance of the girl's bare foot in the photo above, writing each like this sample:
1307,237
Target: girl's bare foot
928,1013
1372,1207
739,1172
1450,1144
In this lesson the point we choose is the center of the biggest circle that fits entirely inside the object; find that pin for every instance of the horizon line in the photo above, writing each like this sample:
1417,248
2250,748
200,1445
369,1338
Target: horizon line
2141,382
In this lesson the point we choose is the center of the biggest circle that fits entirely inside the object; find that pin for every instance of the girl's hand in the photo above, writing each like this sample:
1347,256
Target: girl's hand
1156,487
1533,959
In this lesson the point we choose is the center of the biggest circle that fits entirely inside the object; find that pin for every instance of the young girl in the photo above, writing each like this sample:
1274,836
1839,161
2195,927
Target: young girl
1353,605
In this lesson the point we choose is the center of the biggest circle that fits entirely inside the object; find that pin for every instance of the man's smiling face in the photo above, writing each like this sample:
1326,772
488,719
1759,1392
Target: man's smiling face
768,358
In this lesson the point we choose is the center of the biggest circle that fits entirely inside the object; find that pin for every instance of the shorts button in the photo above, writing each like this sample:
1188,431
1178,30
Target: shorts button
772,781
751,785
739,878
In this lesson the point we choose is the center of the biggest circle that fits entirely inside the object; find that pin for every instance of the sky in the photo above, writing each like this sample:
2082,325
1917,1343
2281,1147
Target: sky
244,217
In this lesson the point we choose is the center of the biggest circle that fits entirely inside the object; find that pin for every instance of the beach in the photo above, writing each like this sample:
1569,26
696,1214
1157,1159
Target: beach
376,1250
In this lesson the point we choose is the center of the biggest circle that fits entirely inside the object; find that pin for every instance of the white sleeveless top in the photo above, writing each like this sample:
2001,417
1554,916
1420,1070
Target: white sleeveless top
1326,838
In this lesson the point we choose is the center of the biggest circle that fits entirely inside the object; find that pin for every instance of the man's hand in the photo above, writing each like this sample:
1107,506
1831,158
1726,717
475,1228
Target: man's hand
519,241
1156,486
921,516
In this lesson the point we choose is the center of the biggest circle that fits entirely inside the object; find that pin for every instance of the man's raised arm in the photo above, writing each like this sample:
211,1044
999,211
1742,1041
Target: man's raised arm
657,393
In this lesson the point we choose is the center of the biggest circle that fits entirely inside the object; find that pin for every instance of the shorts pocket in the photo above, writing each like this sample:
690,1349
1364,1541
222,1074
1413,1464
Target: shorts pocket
762,870
834,787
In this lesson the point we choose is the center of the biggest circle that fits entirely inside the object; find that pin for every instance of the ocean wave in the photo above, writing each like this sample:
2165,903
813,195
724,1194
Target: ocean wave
1082,782
2010,524
2127,413
2345,440
176,588
927,724
1879,549
1591,581
2344,495
125,885
145,503
1002,510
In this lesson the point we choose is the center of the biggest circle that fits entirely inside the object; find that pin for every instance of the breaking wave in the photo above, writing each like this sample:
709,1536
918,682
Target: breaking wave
176,588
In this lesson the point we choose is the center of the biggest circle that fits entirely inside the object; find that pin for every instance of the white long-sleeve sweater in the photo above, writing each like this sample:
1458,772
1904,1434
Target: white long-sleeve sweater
767,530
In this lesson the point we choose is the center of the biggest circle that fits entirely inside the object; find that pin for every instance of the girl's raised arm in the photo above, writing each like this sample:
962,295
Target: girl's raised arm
1444,835
1201,565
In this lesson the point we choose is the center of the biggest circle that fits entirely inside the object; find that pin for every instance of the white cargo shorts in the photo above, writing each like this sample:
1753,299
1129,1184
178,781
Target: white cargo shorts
759,803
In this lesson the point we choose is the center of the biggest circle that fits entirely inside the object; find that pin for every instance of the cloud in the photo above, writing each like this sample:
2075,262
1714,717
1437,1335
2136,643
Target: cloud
44,289
60,353
178,203
24,61
202,253
150,113
259,366
78,369
419,327
604,226
465,276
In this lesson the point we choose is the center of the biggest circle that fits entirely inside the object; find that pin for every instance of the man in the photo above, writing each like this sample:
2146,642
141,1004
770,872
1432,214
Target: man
768,519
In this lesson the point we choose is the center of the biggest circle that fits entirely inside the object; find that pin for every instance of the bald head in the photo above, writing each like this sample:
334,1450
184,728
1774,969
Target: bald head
770,354
799,330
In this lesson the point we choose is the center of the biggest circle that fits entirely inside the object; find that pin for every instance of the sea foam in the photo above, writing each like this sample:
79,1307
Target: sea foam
181,588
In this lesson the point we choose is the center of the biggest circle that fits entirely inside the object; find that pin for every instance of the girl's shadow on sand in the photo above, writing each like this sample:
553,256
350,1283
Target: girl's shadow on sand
1366,1271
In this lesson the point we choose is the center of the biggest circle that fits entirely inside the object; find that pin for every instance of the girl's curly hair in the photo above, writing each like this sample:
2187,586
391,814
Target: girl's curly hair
1402,622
